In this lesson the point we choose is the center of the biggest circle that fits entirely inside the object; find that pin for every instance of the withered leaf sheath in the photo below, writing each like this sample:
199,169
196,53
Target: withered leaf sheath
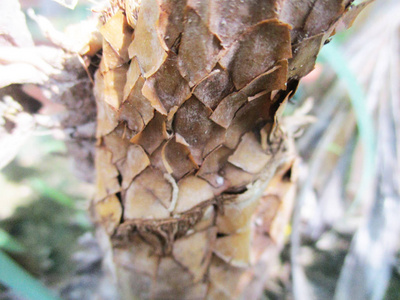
189,95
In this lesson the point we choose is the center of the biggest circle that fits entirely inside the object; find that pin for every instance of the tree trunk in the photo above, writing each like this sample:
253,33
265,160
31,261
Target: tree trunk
195,175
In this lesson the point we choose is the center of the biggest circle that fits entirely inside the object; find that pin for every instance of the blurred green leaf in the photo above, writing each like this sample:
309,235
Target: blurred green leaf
332,55
52,145
335,149
22,283
43,188
8,243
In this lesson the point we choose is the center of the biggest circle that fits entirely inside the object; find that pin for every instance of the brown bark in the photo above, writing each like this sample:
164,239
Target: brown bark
194,172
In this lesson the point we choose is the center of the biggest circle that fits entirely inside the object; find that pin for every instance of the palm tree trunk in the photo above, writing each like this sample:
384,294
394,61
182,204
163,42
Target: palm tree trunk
195,175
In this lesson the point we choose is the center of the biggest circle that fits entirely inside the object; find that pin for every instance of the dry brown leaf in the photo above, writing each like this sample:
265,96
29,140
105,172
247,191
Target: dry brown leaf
213,164
195,259
213,88
136,111
118,33
173,279
109,212
153,134
136,161
230,18
346,21
207,220
273,79
114,82
177,159
147,46
304,56
106,116
199,49
236,216
107,174
237,178
257,51
192,191
131,77
193,124
323,15
251,115
249,155
224,279
227,108
170,23
117,145
235,248
139,256
131,12
148,196
166,88
110,59
294,13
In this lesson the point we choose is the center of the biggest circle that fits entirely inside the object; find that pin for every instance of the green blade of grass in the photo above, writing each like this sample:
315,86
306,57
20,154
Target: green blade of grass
22,283
43,188
331,55
8,243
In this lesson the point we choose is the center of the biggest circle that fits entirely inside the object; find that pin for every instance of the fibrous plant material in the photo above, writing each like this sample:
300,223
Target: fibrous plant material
194,173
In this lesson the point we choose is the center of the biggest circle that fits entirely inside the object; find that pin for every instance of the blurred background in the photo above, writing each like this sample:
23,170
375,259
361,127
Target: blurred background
344,238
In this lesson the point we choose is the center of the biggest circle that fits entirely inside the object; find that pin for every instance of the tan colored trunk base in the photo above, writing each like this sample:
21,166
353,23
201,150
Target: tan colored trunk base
194,173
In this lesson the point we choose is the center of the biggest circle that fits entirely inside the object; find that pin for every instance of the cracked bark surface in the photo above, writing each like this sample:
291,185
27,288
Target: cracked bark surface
195,176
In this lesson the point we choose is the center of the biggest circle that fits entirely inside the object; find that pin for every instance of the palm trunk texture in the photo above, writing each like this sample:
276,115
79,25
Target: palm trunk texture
195,175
